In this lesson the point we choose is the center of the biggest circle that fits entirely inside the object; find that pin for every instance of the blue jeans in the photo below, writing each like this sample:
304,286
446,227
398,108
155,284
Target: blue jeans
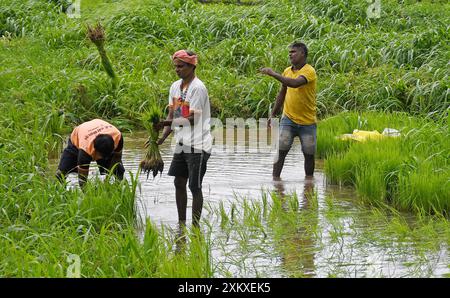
289,130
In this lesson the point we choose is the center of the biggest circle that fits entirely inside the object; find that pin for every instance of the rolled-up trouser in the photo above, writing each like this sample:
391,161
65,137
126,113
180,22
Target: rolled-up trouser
289,130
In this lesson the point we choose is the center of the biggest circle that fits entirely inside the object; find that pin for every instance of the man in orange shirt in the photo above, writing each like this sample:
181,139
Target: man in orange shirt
298,99
92,140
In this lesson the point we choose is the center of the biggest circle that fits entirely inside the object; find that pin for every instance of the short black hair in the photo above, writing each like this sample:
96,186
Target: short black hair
104,144
300,45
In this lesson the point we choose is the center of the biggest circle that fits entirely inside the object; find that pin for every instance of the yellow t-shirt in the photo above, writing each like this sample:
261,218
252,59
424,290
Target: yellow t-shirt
300,103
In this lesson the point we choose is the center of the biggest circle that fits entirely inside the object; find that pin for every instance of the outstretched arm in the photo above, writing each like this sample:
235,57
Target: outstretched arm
289,82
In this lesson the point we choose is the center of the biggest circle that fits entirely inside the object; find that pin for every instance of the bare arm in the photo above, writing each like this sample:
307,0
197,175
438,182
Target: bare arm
278,104
83,172
279,101
83,162
166,124
289,82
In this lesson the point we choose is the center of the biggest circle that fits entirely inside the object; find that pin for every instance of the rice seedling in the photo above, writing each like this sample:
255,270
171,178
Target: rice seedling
223,216
97,36
153,161
389,170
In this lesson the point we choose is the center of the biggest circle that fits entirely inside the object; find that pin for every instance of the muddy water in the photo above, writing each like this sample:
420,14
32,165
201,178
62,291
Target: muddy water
347,241
231,174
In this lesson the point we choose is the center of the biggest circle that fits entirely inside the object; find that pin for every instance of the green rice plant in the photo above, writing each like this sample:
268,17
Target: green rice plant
383,170
110,204
223,216
430,194
251,213
264,205
370,185
194,262
153,161
97,36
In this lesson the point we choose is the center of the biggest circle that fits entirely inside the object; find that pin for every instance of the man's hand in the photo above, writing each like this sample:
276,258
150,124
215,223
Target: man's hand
267,71
158,126
160,141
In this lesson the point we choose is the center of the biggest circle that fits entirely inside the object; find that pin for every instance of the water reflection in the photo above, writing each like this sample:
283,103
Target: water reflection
181,238
298,246
230,175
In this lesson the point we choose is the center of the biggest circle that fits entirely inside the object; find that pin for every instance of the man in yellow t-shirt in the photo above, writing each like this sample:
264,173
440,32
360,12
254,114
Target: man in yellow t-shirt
298,99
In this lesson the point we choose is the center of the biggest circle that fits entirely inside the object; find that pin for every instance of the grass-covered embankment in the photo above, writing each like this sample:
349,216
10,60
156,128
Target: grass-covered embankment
410,171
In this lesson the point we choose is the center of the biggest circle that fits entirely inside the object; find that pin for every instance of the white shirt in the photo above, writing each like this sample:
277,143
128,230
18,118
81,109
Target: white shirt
196,99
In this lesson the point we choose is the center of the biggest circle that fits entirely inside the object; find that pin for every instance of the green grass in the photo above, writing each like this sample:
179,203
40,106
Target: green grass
105,253
362,64
410,171
51,79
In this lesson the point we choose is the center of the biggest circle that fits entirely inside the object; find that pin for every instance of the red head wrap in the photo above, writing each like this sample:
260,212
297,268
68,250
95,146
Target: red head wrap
184,56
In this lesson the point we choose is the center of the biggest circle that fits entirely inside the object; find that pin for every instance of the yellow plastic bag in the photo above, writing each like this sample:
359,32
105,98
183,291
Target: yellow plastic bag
362,135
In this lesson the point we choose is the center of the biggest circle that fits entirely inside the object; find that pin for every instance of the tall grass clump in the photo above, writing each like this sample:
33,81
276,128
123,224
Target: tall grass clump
395,63
102,204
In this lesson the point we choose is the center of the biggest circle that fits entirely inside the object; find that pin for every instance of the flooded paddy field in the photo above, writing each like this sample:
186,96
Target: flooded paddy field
257,227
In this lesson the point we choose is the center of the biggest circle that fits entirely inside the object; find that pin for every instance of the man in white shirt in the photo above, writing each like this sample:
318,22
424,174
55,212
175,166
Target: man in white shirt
189,117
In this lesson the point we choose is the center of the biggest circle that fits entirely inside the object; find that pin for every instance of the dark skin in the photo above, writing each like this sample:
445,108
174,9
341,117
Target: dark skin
83,171
186,72
298,60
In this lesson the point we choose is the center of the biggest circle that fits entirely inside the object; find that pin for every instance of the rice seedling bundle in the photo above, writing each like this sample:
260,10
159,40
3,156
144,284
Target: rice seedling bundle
153,161
97,36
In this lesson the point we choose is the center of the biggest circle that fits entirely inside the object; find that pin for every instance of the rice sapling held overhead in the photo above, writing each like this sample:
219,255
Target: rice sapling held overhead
98,37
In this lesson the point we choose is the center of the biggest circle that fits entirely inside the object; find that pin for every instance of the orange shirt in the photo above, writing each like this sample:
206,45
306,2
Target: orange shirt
83,136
